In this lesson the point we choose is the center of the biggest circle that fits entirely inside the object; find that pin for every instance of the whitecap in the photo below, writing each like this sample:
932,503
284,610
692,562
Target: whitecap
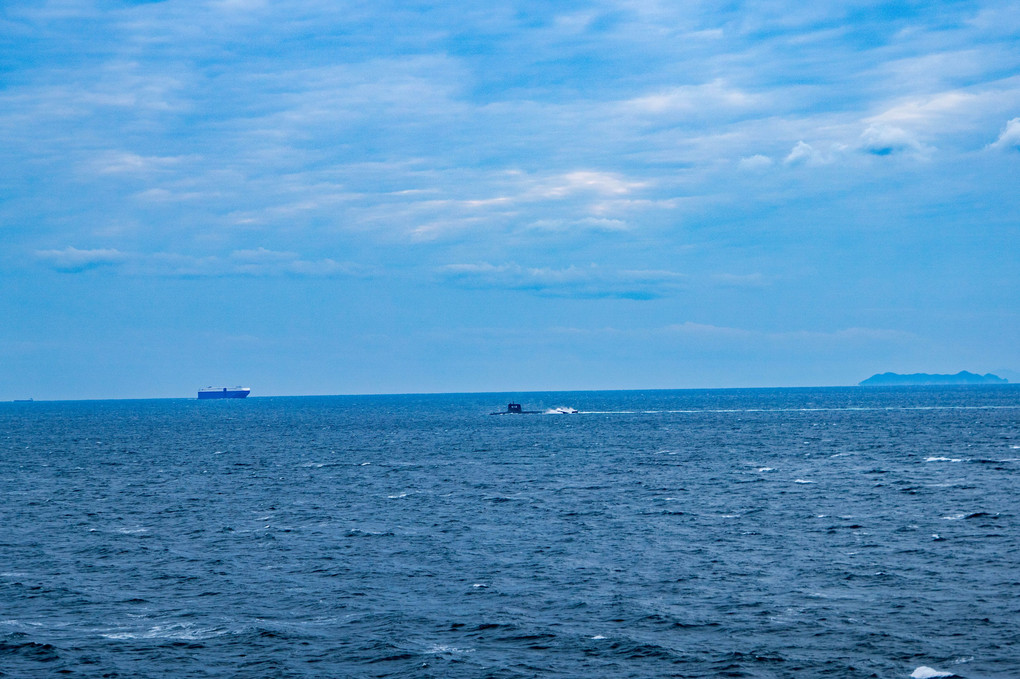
396,497
21,624
766,469
365,464
954,517
479,585
442,649
802,481
182,631
925,672
598,636
943,459
358,532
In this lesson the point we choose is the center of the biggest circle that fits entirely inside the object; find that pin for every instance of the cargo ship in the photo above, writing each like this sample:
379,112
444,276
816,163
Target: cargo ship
224,392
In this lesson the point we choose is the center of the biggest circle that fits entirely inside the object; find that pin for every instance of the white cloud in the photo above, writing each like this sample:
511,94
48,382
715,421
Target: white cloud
256,262
574,281
708,100
756,162
161,195
998,19
569,202
575,225
806,154
600,183
884,140
262,256
933,114
71,259
951,112
1009,138
263,262
125,162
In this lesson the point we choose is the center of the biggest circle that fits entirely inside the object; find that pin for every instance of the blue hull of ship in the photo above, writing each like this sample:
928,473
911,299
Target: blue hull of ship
227,393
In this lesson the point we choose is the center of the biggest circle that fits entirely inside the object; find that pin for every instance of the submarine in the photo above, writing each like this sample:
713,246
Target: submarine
515,409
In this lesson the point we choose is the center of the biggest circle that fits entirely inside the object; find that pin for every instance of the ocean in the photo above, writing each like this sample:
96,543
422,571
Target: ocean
837,532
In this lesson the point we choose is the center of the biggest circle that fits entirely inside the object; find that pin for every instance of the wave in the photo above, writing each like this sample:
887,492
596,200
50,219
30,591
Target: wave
839,409
182,631
444,650
30,650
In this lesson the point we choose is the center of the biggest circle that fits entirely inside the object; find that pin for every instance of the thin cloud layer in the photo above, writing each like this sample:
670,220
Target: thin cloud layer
72,259
772,166
573,281
796,337
275,140
257,262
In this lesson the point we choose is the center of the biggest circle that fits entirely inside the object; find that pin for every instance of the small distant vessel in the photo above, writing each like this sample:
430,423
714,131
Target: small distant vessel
24,400
515,409
224,392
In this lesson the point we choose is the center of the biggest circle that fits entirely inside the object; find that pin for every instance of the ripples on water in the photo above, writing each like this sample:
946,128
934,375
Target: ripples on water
742,533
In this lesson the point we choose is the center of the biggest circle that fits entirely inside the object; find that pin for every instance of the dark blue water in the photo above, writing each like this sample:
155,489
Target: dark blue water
741,533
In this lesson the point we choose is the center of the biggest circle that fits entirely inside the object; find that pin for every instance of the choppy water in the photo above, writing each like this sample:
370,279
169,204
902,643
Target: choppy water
741,533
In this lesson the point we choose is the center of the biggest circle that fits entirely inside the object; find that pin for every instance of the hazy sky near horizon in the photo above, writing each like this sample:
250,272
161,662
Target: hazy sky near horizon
322,197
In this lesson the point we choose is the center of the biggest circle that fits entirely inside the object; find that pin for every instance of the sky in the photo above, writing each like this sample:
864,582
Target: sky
352,197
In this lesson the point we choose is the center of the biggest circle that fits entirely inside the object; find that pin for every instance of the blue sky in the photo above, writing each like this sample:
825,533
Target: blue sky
322,197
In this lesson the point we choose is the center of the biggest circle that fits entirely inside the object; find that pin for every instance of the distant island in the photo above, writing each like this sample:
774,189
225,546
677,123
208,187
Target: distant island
962,377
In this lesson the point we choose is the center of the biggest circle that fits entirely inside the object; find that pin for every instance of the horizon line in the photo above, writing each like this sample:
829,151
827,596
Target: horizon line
1006,383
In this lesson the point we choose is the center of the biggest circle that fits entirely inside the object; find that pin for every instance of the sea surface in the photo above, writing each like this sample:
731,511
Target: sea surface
843,532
